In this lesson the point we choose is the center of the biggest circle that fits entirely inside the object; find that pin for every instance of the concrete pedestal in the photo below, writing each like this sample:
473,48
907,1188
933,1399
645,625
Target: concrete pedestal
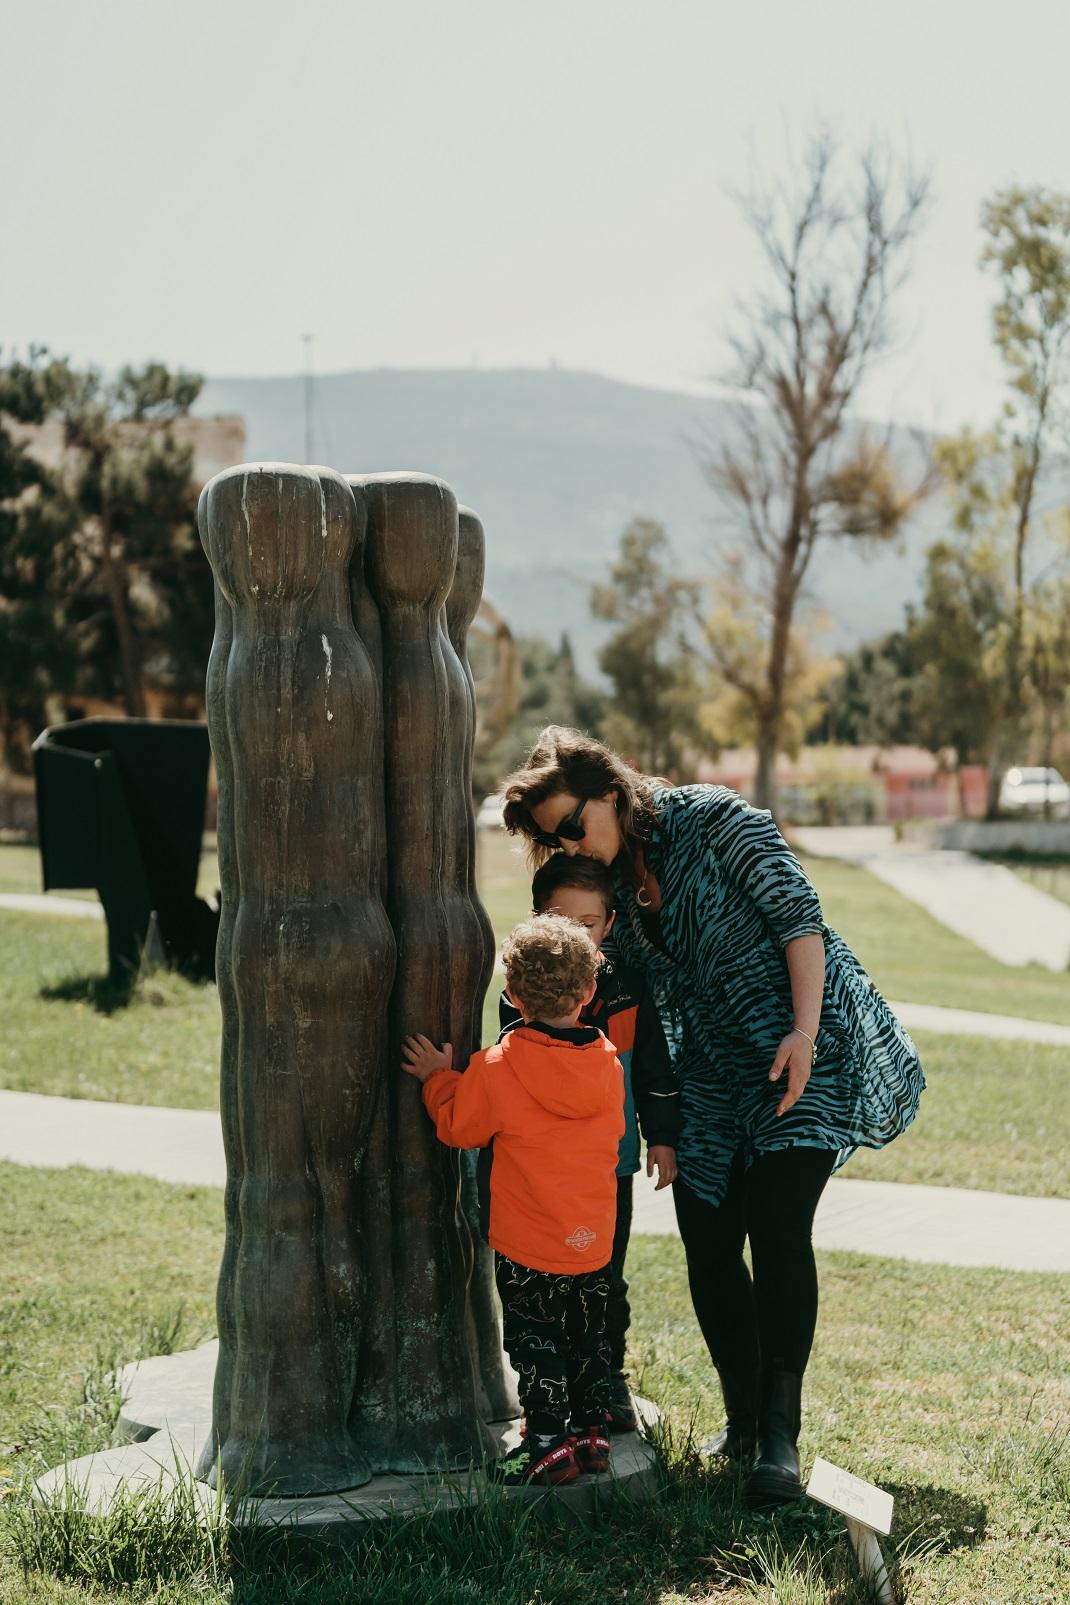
166,1419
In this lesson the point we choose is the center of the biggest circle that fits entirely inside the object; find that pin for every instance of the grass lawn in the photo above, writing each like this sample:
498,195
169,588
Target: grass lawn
946,1386
20,871
62,1035
912,957
995,1116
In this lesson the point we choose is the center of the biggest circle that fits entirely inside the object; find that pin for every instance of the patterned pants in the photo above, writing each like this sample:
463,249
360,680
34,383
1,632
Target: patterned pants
554,1332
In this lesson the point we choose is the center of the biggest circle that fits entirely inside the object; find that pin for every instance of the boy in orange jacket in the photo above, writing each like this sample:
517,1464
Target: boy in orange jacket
551,1095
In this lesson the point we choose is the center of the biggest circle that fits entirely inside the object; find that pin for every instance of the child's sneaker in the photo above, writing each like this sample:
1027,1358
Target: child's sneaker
620,1412
537,1462
592,1448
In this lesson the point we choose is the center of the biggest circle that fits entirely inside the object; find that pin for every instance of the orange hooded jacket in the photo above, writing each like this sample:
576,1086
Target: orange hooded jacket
555,1109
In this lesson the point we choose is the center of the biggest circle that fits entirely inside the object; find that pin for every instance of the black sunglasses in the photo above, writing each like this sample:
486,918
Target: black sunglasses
569,830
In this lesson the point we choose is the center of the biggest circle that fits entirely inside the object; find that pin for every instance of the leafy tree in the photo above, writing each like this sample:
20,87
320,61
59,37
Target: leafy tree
1047,650
958,644
870,702
796,474
648,660
738,706
551,692
995,478
37,559
143,600
103,587
1027,243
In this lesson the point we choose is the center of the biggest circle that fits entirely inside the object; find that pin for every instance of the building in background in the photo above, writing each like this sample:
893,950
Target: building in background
859,785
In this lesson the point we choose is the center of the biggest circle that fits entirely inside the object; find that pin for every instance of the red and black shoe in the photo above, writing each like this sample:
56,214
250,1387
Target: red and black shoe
537,1462
592,1447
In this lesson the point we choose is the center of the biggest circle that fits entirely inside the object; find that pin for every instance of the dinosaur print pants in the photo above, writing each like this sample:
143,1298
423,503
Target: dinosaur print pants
554,1334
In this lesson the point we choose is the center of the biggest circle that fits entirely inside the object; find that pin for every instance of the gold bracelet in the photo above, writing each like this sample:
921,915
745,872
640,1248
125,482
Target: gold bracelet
813,1045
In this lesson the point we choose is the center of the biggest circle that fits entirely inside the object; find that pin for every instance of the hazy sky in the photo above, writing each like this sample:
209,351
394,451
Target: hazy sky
425,183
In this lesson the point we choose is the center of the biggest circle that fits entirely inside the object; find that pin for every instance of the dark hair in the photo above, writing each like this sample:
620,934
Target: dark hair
566,760
585,874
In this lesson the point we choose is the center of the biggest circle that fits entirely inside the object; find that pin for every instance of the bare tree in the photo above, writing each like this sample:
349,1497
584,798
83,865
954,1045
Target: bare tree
797,472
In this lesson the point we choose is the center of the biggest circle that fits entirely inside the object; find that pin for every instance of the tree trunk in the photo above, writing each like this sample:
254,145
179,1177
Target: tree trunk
765,785
995,776
772,713
1016,668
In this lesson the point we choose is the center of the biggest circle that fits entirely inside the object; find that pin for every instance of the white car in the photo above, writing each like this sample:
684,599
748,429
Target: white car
1031,791
490,813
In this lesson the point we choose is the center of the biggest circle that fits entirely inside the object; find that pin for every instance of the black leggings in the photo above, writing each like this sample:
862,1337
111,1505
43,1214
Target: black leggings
771,1320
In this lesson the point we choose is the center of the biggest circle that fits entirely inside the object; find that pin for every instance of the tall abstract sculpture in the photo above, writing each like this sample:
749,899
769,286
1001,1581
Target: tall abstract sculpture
357,1330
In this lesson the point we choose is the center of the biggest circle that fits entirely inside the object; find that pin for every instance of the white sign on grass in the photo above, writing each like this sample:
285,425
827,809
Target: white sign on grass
852,1497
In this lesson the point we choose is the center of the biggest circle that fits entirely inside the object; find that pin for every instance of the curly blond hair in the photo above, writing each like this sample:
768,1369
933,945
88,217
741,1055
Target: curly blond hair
550,962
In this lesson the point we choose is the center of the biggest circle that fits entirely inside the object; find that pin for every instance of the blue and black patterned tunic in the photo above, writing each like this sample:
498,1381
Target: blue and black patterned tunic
733,894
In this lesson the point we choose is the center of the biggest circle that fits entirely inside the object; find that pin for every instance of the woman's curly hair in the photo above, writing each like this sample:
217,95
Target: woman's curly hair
564,760
550,962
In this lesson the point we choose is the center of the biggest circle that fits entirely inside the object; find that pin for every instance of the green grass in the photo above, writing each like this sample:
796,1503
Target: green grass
912,957
93,1268
20,871
63,1033
946,1386
995,1116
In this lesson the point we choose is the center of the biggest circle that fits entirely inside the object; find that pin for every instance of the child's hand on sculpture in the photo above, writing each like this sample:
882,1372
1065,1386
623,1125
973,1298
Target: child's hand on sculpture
420,1057
664,1157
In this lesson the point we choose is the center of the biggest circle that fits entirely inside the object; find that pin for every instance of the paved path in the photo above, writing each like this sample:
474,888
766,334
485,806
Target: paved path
38,903
945,1225
177,1145
969,1023
933,1225
986,903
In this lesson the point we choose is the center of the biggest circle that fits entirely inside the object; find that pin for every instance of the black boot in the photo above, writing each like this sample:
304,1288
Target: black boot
775,1478
736,1442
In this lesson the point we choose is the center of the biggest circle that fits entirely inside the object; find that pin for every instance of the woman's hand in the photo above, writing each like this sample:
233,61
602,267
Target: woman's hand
664,1158
795,1055
420,1057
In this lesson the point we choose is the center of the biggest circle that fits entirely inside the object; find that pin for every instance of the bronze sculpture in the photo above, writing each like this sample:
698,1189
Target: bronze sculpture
356,1323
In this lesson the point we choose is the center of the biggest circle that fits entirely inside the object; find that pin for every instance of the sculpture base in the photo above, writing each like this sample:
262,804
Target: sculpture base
166,1420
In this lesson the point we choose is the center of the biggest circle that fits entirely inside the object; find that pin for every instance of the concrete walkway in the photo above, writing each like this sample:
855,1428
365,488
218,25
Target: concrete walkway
970,1023
944,1225
931,1225
46,903
986,903
184,1146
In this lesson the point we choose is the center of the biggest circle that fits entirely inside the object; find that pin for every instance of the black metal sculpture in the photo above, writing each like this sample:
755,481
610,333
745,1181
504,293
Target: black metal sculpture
120,808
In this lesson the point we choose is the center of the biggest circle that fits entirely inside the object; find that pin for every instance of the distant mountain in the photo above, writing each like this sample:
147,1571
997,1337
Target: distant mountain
555,463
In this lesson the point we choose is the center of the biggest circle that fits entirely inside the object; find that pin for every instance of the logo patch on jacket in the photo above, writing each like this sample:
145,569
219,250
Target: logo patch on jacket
581,1238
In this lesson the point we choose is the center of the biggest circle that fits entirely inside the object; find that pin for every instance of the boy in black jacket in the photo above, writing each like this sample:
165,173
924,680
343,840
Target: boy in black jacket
622,1008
